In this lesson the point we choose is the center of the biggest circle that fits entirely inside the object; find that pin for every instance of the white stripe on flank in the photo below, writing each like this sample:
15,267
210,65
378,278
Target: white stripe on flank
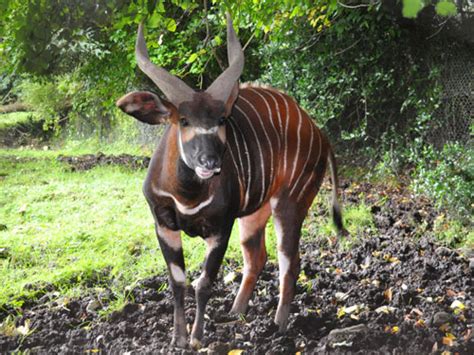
315,165
240,172
297,144
306,162
237,146
269,145
247,155
236,169
286,130
270,117
279,118
259,149
305,186
183,209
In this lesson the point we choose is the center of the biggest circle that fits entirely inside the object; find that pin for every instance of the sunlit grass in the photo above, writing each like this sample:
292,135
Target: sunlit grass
15,119
357,218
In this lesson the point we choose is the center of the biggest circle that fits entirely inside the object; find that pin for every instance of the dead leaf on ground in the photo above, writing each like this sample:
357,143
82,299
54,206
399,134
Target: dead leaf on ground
449,339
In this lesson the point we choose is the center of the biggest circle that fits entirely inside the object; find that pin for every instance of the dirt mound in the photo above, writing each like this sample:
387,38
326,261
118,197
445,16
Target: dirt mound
388,294
89,161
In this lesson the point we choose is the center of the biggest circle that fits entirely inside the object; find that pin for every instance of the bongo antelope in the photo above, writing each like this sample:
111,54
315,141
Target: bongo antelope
229,153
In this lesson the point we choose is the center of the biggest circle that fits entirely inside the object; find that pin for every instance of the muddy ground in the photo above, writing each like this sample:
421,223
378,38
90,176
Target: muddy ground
395,291
89,161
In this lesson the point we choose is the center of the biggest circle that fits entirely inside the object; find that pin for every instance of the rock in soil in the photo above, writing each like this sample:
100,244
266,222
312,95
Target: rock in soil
345,337
441,318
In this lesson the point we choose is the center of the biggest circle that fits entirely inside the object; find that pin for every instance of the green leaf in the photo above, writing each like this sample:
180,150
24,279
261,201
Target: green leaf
171,25
295,12
411,8
154,20
192,58
217,40
446,8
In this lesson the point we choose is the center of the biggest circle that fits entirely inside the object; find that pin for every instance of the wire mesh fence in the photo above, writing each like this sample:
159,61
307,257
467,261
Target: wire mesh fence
453,121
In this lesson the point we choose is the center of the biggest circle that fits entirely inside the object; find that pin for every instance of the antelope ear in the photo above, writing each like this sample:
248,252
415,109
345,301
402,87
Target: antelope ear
231,100
146,107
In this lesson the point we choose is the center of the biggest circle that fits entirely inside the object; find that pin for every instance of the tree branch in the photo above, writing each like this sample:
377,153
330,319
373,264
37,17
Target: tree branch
346,49
355,6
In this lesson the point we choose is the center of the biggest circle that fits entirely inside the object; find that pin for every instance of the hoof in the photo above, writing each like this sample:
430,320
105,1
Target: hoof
239,308
179,342
195,344
282,323
282,327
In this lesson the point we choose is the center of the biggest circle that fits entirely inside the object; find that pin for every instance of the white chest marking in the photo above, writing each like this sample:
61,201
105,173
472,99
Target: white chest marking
183,209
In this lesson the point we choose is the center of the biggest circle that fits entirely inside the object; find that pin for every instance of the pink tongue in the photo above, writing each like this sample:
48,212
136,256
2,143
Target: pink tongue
204,172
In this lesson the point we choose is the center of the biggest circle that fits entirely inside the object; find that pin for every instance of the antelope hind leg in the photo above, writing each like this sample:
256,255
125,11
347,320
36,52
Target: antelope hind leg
252,243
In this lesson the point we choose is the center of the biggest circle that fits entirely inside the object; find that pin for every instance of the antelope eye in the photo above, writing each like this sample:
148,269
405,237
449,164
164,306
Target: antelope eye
184,122
221,121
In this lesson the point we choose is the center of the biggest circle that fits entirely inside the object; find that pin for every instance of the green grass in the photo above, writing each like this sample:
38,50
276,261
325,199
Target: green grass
94,145
14,119
453,233
357,218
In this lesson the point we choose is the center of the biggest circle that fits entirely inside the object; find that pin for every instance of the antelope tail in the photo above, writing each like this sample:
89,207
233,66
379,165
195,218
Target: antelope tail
336,208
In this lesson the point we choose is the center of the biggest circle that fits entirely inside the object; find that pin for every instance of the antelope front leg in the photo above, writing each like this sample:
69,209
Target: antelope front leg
216,247
171,247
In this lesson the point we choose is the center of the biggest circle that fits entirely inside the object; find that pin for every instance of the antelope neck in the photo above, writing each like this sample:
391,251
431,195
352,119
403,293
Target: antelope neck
189,185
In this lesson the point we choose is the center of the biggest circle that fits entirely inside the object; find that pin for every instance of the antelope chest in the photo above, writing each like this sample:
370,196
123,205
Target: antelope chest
204,219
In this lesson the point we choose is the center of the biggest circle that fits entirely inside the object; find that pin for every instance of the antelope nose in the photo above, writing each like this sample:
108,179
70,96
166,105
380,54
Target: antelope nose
209,161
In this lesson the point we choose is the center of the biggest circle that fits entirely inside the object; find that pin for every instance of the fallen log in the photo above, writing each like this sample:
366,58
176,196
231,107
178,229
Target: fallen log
14,107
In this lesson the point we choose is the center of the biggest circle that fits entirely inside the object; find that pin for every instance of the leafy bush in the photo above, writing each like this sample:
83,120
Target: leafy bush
14,119
447,177
353,78
50,99
18,128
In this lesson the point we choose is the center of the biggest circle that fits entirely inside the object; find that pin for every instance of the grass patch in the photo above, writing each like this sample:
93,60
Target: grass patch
106,146
358,220
14,119
19,128
453,233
